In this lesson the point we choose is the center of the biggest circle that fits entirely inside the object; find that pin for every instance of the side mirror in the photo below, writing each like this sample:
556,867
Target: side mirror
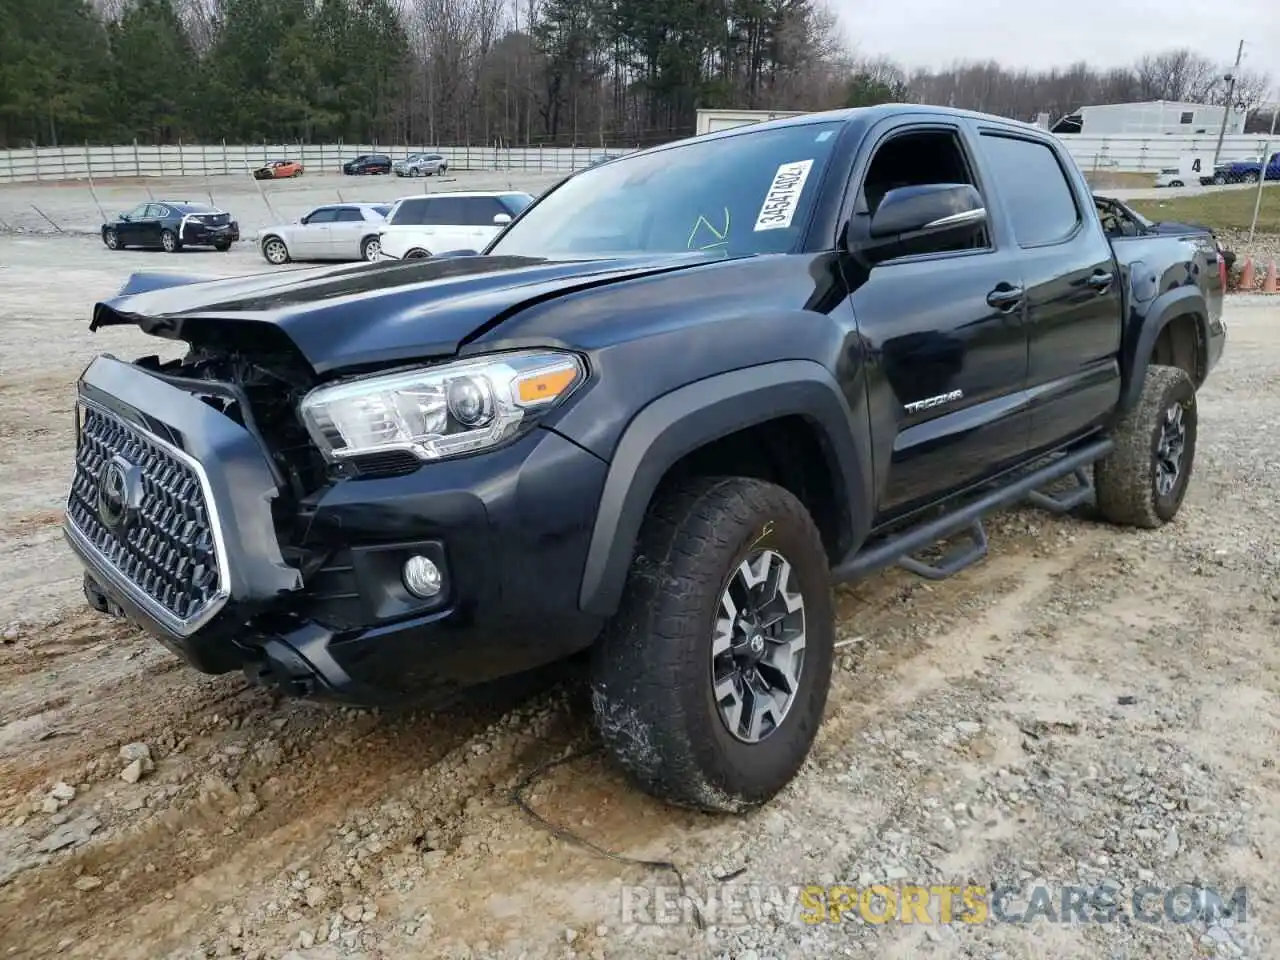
125,217
501,219
924,218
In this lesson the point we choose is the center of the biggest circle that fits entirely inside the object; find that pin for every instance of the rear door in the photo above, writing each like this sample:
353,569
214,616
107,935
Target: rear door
153,223
345,234
1073,287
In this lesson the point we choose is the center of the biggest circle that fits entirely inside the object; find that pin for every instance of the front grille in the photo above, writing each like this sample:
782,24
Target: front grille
165,545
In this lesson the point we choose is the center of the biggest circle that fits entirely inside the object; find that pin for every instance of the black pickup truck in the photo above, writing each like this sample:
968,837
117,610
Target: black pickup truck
652,422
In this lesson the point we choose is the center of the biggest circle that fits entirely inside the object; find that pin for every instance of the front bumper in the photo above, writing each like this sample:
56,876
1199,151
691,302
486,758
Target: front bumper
509,528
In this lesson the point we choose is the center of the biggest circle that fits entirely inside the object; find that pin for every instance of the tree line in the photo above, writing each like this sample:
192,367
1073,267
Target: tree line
555,72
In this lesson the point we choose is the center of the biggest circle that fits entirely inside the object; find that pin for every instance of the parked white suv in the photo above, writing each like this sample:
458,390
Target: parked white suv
424,225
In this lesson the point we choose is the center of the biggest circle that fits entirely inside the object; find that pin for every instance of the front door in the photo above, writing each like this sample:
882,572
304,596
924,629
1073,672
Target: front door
313,239
131,230
943,331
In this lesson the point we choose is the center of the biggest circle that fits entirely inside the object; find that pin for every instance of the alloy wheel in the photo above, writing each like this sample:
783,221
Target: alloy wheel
1169,449
275,251
757,653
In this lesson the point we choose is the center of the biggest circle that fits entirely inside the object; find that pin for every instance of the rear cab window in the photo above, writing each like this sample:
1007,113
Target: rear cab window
1037,194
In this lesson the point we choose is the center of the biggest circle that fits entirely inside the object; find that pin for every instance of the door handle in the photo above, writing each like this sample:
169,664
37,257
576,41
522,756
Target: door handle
1101,281
1005,297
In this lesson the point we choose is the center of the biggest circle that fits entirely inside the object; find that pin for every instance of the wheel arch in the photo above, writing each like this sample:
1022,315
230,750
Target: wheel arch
1174,327
712,427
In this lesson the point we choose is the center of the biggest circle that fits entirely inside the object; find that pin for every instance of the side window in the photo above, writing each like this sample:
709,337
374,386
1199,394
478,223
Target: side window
411,213
323,215
140,211
349,215
480,211
1036,191
157,211
918,158
515,202
449,211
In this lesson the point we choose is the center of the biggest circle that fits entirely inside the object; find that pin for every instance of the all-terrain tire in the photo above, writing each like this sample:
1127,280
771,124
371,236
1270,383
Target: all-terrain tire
652,674
1126,480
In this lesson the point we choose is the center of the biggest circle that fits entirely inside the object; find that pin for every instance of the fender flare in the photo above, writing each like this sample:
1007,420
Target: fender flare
690,417
1182,301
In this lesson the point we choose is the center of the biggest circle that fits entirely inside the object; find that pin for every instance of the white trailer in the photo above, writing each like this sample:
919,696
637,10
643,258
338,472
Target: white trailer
710,121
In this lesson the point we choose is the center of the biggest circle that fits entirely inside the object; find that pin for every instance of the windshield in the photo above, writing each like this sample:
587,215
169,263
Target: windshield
743,194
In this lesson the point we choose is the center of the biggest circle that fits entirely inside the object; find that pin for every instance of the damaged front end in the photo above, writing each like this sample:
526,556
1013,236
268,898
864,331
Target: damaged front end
192,498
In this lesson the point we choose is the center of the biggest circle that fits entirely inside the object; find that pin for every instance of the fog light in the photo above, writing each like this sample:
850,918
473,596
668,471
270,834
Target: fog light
421,577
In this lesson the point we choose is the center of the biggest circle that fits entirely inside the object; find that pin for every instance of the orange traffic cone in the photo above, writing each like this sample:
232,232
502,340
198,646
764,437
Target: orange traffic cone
1246,276
1269,285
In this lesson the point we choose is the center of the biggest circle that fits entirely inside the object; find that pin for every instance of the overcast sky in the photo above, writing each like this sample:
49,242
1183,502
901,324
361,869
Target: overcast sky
1044,33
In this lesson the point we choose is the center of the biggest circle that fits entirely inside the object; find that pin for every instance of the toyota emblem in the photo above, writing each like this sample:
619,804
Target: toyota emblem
119,494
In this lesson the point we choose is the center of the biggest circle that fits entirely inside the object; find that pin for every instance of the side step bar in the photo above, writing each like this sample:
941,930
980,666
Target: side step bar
898,548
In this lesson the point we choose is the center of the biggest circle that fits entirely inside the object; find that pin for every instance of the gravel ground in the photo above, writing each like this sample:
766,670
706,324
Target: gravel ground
1088,705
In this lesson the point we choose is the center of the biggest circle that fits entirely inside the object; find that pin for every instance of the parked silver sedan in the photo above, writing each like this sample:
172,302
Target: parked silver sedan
340,231
421,165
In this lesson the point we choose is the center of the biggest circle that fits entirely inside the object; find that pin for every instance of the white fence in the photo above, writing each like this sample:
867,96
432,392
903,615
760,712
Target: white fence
1140,153
1120,153
205,160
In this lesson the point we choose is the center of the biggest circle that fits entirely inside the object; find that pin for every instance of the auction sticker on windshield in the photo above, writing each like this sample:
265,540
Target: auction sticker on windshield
784,194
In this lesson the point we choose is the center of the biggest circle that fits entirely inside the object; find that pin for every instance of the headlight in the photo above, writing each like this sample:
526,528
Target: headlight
440,412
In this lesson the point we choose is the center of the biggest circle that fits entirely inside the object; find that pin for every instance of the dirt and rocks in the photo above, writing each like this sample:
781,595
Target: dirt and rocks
1089,706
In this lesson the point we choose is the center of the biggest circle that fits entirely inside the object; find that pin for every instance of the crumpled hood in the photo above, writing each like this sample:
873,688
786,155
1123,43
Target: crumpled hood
350,316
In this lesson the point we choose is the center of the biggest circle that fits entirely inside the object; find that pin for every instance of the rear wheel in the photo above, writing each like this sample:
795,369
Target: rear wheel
1175,183
1143,481
1220,179
1251,177
710,683
222,247
274,251
369,249
169,240
417,253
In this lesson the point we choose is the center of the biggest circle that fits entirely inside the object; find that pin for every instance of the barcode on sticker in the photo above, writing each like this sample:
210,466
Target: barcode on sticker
780,202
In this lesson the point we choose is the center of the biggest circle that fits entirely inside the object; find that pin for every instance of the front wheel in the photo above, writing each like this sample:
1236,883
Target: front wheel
417,254
1251,177
1143,480
112,240
1220,179
169,240
710,683
274,251
222,247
